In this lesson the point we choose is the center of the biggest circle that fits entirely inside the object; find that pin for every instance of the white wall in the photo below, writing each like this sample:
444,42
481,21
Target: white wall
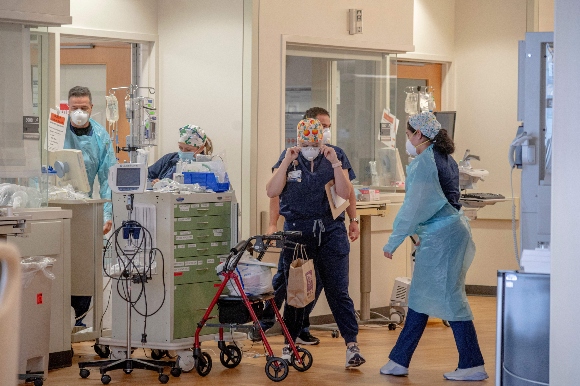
36,12
200,74
565,291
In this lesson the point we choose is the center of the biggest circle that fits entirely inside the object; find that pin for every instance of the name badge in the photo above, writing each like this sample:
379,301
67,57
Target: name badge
295,176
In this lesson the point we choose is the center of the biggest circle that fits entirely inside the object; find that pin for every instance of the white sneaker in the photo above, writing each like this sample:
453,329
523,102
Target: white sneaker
392,368
471,374
353,357
286,353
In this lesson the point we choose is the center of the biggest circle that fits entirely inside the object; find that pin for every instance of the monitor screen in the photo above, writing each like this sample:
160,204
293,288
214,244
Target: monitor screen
128,177
447,121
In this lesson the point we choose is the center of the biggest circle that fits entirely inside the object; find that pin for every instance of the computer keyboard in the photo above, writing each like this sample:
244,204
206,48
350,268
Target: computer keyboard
482,196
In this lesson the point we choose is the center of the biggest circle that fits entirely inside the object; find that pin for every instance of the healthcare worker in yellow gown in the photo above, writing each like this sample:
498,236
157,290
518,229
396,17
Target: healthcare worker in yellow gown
445,250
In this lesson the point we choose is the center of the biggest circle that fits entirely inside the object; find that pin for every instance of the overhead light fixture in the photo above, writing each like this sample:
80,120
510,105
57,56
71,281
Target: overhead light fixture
78,46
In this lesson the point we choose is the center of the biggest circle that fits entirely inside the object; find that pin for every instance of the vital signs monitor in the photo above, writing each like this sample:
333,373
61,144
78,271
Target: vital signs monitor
128,178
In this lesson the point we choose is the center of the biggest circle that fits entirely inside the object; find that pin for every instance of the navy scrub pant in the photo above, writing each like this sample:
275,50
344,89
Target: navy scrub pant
415,323
326,242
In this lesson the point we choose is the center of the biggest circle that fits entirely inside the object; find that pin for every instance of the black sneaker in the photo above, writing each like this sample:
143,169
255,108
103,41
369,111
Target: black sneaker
306,338
254,335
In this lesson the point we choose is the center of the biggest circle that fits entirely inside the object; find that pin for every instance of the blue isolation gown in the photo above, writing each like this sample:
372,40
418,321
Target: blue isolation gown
446,249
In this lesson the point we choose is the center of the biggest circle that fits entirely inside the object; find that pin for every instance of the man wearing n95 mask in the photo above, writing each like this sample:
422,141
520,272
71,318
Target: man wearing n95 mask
85,134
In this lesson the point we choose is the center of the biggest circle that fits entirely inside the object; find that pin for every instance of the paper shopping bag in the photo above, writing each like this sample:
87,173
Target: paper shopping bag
301,280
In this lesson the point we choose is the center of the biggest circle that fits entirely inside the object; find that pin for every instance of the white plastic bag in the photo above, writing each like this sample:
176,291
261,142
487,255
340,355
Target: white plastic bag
33,264
254,275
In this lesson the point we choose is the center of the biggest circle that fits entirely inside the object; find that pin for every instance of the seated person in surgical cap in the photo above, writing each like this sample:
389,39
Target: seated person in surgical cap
192,141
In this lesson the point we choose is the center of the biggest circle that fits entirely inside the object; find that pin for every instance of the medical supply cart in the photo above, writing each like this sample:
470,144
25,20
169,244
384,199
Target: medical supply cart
194,232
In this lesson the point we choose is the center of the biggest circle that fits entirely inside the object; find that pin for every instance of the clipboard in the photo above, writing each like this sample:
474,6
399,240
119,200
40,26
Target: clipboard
337,203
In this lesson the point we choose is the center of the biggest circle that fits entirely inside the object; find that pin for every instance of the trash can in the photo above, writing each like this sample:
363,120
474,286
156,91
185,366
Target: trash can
37,280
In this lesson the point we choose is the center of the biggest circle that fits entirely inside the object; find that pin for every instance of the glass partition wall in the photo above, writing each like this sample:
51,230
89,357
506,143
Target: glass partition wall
356,89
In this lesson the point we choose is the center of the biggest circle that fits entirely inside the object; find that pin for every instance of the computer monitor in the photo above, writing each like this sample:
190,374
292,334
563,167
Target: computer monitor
128,178
447,121
70,167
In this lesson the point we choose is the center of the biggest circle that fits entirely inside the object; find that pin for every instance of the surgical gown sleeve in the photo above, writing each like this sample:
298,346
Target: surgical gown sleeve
423,199
106,160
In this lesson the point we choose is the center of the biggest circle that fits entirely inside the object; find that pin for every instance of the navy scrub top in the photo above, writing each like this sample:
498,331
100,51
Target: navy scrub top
448,172
306,200
164,167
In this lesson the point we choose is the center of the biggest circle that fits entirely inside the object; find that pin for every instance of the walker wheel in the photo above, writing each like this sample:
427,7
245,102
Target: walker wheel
335,334
175,371
276,369
392,326
84,373
203,365
163,378
38,381
231,356
105,379
102,350
305,357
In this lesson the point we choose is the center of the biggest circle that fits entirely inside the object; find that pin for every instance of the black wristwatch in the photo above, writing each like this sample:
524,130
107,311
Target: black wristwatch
355,219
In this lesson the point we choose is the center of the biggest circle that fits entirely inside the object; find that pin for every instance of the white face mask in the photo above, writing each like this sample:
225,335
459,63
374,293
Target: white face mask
326,136
79,117
310,152
411,149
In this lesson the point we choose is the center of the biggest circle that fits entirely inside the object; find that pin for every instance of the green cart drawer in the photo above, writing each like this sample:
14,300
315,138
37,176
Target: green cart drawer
189,305
201,235
201,249
201,222
204,209
195,269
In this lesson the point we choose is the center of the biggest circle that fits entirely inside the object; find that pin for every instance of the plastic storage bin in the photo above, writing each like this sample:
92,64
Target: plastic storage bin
37,280
205,179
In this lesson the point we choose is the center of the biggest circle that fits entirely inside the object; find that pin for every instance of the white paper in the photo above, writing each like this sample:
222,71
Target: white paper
338,201
57,123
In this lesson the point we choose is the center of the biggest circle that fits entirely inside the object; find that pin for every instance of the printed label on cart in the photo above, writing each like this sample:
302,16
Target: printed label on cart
210,261
182,246
180,264
200,262
223,259
218,232
224,243
194,262
177,273
185,233
184,219
214,244
184,208
181,269
191,245
178,238
195,205
219,204
205,205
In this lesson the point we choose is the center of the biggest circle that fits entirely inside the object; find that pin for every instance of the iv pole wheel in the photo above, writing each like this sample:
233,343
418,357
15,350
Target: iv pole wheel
84,373
105,379
163,378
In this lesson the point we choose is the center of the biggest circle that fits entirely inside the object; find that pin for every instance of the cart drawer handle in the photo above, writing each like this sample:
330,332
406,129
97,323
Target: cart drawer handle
202,269
203,222
202,249
202,236
202,210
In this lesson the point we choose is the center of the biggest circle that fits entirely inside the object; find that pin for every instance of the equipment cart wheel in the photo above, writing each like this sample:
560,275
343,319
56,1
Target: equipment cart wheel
105,379
185,362
175,371
231,356
203,365
84,373
305,357
38,381
335,334
158,354
163,378
392,326
276,369
102,350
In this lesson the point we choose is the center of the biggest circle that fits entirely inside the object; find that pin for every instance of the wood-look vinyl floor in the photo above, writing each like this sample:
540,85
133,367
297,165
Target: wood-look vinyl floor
435,355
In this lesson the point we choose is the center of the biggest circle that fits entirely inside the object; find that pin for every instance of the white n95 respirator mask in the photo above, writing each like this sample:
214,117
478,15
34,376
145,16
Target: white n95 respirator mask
310,152
411,149
79,117
326,136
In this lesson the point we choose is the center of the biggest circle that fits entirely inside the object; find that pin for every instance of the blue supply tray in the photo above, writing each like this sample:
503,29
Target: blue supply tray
205,179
